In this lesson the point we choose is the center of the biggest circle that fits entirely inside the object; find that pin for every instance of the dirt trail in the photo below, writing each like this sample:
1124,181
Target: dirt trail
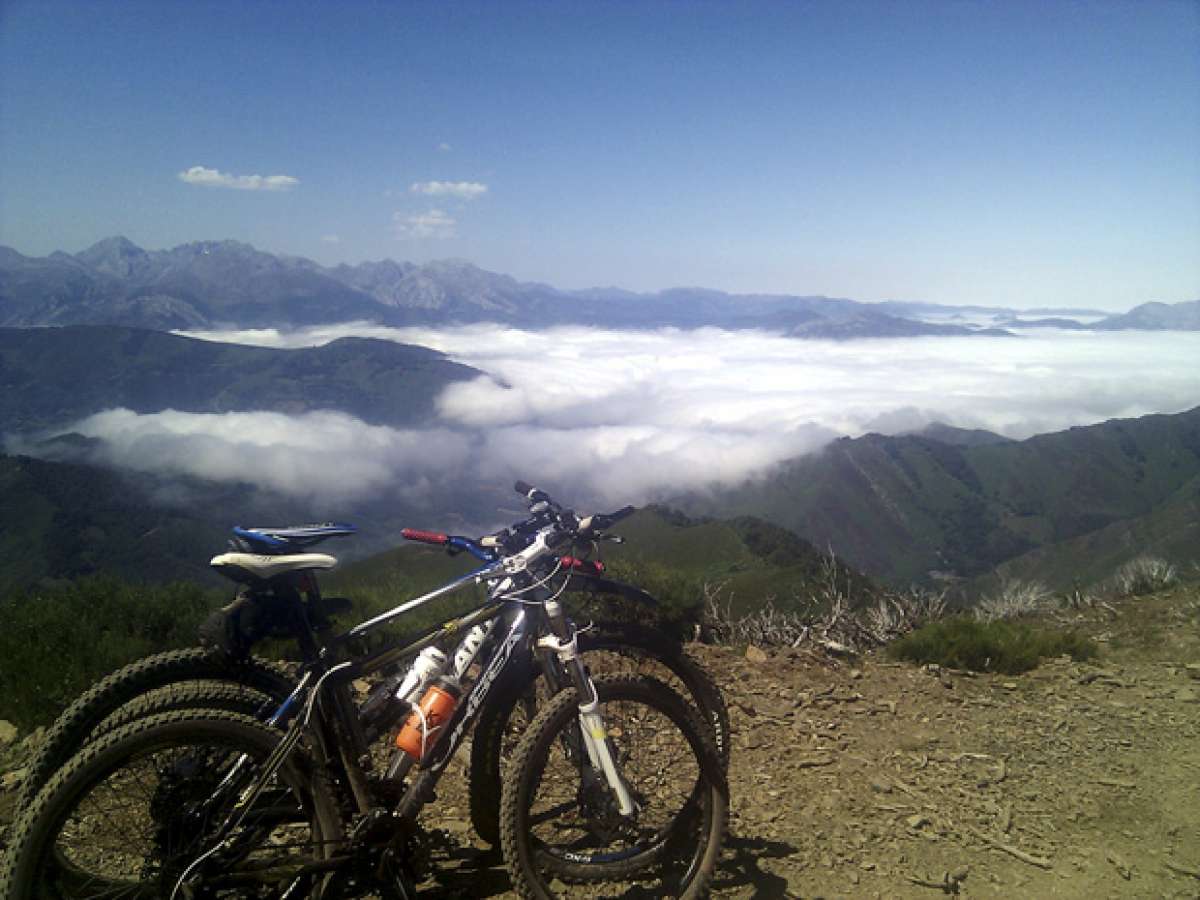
1070,781
870,779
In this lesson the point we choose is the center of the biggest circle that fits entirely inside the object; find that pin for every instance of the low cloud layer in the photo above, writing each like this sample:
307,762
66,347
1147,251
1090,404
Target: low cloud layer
617,417
203,177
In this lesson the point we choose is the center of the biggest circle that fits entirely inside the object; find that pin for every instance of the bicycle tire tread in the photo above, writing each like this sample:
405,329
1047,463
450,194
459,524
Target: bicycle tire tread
226,696
31,815
74,726
487,740
511,797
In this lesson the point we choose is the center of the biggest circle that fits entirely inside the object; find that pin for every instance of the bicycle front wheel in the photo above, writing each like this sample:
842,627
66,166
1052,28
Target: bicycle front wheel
559,820
629,650
165,799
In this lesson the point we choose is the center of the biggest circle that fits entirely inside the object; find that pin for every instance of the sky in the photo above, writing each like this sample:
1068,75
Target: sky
1018,154
614,417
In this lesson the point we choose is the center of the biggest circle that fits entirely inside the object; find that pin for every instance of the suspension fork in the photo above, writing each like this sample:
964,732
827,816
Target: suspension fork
563,641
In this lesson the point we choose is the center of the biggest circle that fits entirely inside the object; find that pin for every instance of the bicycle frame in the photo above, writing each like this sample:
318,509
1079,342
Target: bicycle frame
514,618
518,602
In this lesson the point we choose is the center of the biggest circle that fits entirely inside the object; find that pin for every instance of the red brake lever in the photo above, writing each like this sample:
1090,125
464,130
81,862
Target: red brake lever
587,566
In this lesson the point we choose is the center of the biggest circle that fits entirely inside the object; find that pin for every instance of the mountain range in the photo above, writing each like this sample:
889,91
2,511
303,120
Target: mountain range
953,506
213,284
941,506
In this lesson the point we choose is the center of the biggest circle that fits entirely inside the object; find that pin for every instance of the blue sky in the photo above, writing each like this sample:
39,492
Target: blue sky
1009,153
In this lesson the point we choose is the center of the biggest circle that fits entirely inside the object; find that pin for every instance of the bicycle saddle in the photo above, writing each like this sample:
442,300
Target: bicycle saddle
250,568
281,541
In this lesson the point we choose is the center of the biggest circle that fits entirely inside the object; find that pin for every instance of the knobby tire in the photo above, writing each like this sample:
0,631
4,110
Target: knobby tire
637,642
683,853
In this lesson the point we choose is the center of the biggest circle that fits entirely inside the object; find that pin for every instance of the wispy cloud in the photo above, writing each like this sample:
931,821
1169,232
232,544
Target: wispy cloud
330,239
434,224
199,175
462,190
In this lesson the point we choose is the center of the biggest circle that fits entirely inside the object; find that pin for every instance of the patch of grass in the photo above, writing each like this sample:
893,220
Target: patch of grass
55,642
999,646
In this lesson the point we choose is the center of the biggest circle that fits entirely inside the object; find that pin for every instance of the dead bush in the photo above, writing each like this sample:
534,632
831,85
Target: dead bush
1015,598
1144,575
828,618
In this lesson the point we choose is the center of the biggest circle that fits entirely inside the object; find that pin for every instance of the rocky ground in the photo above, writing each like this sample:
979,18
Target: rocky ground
884,780
864,778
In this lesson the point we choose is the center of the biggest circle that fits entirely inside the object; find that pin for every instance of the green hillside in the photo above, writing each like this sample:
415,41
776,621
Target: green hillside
911,509
1170,531
62,521
1064,508
53,376
666,554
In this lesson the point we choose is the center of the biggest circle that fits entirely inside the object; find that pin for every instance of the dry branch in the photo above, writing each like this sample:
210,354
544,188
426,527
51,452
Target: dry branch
1182,870
1024,857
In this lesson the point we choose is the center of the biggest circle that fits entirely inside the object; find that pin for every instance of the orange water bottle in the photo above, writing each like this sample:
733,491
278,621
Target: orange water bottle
429,717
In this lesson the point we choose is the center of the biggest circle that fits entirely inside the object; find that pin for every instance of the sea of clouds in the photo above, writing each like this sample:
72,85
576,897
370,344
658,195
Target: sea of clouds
621,416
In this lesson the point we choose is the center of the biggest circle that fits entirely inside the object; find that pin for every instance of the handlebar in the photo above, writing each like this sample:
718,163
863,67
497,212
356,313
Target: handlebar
452,542
549,524
595,522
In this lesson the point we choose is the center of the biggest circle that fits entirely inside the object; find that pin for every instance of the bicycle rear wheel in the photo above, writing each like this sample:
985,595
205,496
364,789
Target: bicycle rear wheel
166,797
87,716
559,821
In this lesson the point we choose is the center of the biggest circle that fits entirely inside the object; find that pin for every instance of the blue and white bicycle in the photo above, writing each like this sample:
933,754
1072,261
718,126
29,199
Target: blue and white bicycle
615,780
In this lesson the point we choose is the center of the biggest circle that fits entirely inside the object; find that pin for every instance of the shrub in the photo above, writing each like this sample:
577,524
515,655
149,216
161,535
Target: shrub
997,646
895,614
55,642
1014,599
680,594
1144,575
766,626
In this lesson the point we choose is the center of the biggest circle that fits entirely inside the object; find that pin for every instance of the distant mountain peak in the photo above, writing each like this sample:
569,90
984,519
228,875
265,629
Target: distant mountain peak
961,437
1156,316
453,264
117,256
208,247
115,244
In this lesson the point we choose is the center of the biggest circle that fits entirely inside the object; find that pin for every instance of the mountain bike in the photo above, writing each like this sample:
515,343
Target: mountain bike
222,804
229,678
